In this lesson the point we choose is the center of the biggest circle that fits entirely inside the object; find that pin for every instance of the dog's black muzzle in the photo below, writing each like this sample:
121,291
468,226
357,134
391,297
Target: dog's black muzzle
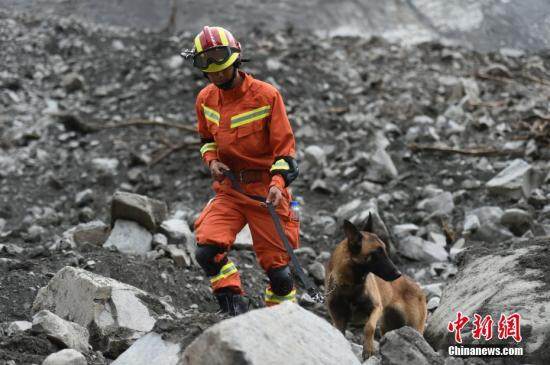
384,268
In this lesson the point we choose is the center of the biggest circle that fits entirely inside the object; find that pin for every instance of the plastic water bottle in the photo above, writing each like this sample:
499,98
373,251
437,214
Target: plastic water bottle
295,210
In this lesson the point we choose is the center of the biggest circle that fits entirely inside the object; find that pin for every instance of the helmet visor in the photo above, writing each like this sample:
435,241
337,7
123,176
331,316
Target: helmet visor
217,55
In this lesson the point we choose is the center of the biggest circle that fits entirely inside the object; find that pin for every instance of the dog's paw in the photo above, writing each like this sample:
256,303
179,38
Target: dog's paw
367,353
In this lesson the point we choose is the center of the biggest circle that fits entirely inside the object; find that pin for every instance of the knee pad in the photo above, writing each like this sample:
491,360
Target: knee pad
280,280
205,255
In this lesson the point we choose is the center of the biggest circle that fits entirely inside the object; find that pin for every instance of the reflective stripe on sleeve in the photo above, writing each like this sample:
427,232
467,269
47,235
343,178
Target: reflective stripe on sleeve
212,146
280,164
211,115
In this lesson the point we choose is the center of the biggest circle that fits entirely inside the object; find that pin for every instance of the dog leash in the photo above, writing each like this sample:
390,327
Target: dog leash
311,289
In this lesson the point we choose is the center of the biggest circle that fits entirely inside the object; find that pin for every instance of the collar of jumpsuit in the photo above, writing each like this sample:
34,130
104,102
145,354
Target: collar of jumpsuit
236,92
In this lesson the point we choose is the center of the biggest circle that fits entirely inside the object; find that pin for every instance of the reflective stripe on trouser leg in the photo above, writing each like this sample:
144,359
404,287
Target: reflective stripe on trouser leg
272,299
228,276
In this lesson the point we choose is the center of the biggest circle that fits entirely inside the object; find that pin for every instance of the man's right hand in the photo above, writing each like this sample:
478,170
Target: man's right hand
216,169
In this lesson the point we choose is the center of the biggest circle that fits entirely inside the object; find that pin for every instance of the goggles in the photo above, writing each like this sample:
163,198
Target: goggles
217,55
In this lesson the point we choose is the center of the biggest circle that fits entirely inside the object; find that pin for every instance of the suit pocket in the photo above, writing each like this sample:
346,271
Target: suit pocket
252,139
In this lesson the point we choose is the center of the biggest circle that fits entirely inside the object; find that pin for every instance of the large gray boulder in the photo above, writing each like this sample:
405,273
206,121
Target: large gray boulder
285,334
499,278
115,314
138,208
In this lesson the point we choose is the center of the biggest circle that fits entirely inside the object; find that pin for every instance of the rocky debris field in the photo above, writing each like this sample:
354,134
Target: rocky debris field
101,181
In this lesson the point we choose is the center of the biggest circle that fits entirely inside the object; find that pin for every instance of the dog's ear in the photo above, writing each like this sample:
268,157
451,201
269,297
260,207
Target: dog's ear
367,227
353,236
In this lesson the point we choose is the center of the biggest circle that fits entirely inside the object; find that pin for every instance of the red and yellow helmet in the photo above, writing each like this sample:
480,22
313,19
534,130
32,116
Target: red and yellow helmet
215,49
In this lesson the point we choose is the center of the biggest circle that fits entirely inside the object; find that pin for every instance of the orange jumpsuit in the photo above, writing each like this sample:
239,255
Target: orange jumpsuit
246,128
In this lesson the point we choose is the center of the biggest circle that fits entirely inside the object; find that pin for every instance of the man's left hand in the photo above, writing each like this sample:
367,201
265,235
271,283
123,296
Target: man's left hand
274,196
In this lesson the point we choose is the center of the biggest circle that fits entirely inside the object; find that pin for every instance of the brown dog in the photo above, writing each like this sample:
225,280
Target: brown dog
363,286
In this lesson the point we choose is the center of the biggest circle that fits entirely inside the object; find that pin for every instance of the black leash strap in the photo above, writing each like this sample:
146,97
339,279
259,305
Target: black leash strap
312,290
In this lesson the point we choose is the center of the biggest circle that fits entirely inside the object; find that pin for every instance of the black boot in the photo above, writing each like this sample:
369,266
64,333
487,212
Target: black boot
231,303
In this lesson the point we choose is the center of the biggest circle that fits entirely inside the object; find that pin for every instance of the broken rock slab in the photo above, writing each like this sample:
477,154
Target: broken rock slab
518,179
17,326
416,248
138,208
62,332
513,273
151,349
130,238
115,314
257,338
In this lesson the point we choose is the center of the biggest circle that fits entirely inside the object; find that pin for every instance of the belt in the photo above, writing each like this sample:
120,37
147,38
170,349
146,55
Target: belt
252,176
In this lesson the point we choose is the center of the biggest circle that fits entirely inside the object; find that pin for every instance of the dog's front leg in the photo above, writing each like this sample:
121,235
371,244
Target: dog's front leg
370,327
373,293
340,312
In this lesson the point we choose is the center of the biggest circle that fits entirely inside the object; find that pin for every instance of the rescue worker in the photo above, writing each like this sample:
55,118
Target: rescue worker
243,128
